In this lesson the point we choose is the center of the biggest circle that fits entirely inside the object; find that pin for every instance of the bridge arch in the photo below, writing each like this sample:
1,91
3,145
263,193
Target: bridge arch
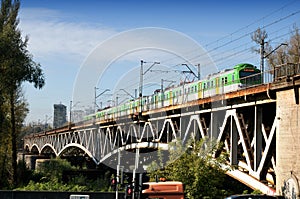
35,148
49,146
80,147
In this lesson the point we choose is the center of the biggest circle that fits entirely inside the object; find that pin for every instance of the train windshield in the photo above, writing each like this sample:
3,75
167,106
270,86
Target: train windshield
250,76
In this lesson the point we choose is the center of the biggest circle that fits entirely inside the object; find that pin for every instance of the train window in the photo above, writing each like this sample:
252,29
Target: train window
208,84
192,89
204,85
189,89
212,83
196,90
185,90
225,80
232,77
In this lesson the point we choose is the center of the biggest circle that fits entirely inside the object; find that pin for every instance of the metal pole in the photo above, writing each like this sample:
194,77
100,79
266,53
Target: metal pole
141,79
136,165
199,71
141,87
95,104
162,92
70,111
118,174
262,59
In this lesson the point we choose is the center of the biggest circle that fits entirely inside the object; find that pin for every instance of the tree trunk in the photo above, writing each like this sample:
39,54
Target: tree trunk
13,137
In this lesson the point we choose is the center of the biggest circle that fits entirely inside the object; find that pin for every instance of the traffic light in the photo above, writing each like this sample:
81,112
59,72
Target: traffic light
140,180
128,191
113,184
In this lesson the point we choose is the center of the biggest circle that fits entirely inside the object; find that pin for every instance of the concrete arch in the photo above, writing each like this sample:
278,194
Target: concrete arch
50,146
80,147
36,146
140,145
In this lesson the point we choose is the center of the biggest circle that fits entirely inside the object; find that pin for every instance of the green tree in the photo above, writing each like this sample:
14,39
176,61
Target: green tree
196,167
16,66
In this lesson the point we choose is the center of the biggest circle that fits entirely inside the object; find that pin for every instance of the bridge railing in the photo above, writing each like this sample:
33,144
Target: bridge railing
286,70
275,74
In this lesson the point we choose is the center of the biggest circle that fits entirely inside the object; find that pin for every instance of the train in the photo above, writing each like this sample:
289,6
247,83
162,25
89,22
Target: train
240,76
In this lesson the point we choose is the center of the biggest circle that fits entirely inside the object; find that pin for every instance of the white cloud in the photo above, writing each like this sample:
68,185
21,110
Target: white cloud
60,44
54,33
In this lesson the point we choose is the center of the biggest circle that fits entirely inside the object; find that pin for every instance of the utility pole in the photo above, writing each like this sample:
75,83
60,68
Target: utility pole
96,96
141,78
262,59
142,73
190,70
198,71
263,56
70,122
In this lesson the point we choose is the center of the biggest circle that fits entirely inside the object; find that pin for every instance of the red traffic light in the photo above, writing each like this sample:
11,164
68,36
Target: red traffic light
129,191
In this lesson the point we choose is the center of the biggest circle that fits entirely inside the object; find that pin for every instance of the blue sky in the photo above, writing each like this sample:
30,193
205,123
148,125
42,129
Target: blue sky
64,34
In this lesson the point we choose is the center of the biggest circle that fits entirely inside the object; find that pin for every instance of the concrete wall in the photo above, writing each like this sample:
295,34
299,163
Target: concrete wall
54,195
288,144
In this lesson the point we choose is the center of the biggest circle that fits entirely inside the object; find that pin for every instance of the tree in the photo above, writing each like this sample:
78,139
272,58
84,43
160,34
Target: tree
197,168
16,66
294,46
280,54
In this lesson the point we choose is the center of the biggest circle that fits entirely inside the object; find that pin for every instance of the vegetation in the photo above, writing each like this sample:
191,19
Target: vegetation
288,53
16,67
202,174
49,177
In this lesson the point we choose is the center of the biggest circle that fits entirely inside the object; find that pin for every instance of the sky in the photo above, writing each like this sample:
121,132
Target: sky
99,43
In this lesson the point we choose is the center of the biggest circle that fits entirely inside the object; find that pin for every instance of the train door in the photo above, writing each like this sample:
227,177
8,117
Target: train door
217,86
170,98
200,91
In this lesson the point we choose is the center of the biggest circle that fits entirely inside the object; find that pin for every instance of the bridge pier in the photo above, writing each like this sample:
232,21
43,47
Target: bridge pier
32,160
288,143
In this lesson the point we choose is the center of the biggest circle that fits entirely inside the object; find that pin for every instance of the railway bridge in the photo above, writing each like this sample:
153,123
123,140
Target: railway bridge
259,126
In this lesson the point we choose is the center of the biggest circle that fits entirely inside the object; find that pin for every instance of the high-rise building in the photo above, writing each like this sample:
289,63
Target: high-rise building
60,115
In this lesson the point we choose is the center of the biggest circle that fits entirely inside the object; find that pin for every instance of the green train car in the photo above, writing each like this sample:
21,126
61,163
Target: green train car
239,77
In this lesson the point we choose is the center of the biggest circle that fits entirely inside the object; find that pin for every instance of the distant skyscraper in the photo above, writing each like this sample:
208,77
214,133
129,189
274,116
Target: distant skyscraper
60,115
